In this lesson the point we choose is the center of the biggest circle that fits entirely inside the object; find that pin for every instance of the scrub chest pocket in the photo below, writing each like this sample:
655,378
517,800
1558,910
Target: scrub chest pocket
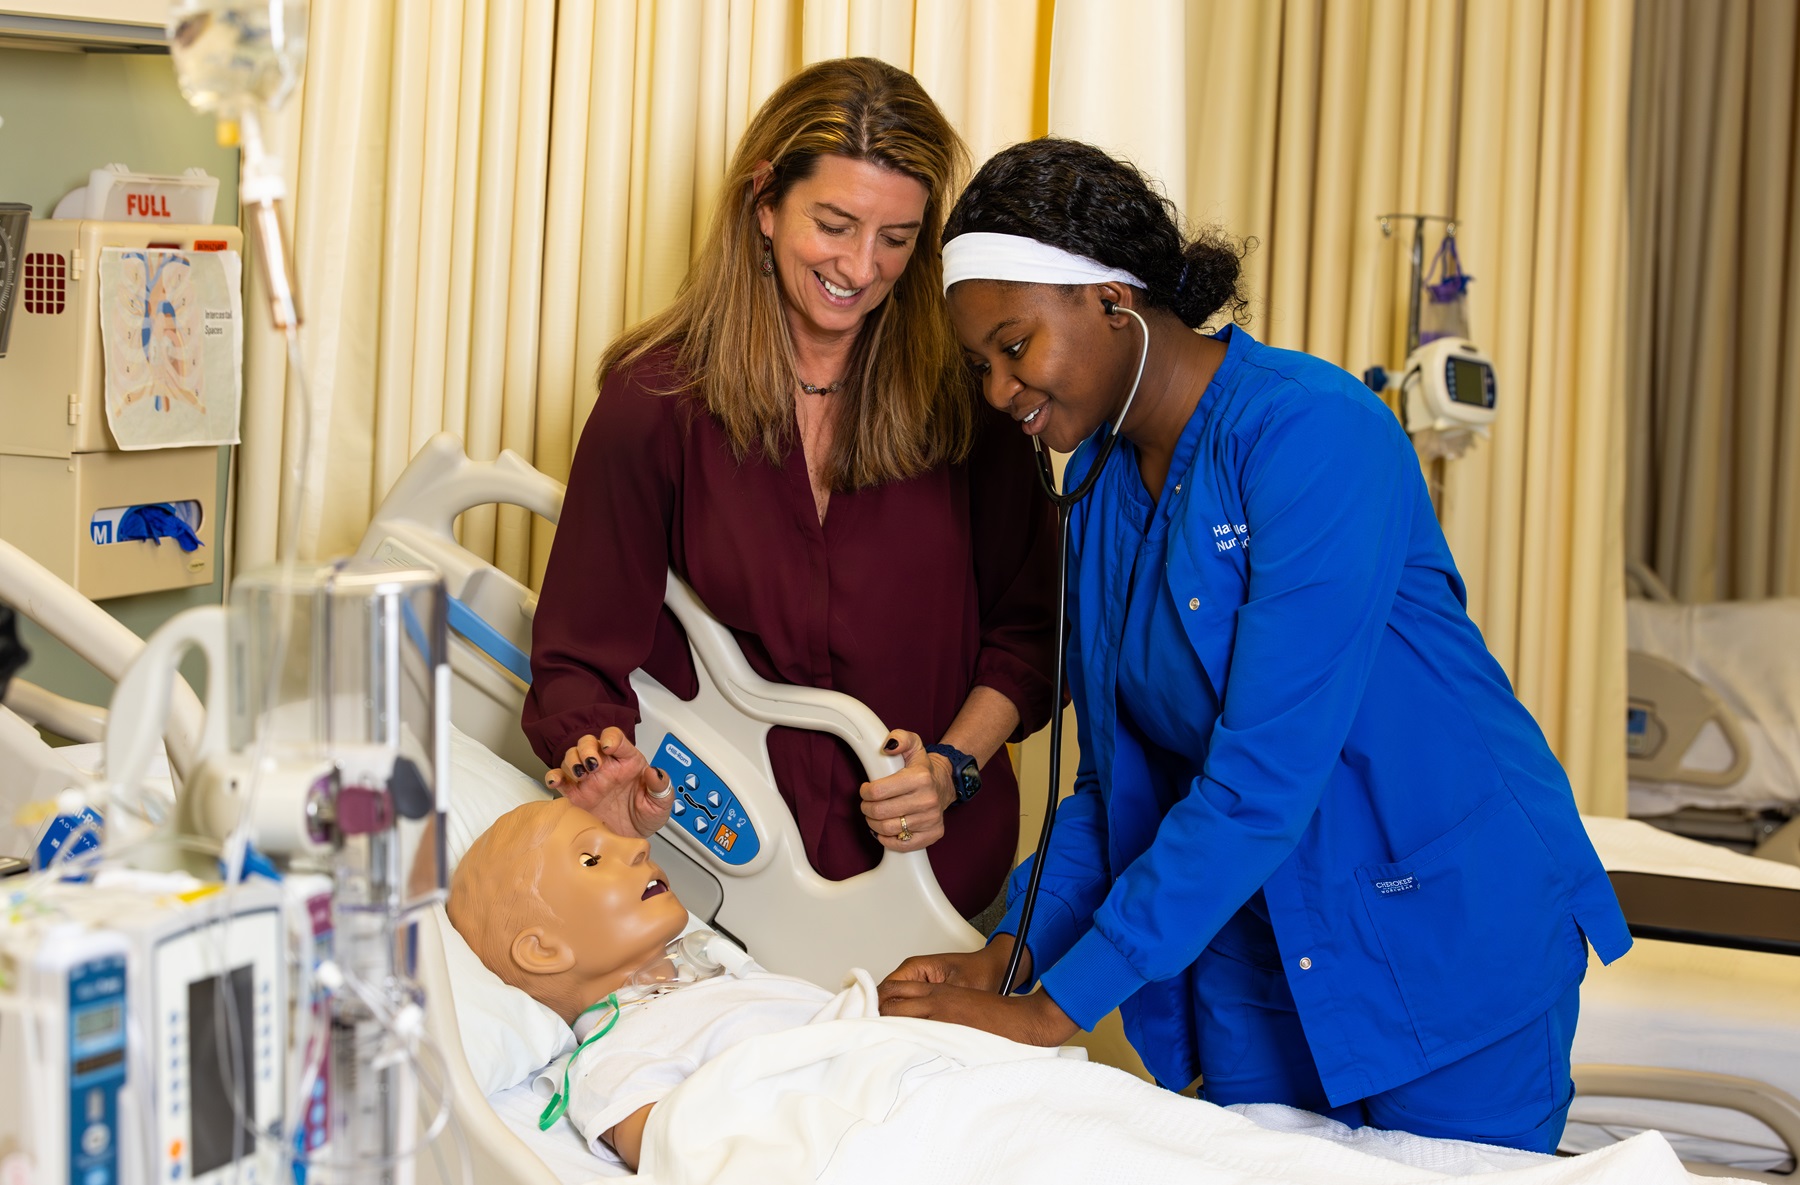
1456,956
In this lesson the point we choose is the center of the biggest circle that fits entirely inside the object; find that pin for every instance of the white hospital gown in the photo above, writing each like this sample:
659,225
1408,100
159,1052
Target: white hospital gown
660,1041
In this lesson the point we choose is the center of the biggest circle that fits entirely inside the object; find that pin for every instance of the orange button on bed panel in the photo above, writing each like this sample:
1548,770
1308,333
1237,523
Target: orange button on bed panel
211,245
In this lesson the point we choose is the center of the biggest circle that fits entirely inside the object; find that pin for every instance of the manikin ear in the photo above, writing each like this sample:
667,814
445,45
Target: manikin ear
538,952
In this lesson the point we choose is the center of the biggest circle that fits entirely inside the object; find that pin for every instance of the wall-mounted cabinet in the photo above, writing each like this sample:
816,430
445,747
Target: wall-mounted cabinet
67,112
83,22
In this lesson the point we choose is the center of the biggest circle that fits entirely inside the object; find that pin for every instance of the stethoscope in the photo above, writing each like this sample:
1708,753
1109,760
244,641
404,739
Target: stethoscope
1065,504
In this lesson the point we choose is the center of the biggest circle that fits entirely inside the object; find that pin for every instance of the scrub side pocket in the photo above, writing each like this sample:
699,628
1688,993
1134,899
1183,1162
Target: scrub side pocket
1475,926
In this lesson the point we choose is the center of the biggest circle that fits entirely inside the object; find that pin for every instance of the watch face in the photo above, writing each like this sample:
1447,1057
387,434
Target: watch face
971,781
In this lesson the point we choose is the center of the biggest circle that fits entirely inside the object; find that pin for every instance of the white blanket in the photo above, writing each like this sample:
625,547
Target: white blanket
864,1102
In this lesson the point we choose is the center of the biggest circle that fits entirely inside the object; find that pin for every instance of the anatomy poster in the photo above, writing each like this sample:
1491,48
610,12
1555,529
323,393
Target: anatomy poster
172,327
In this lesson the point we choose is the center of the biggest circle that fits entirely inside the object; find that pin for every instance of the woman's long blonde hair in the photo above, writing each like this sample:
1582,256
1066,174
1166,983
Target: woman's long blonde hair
907,403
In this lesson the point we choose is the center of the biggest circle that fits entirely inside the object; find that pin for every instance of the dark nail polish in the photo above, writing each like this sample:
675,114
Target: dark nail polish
593,763
891,745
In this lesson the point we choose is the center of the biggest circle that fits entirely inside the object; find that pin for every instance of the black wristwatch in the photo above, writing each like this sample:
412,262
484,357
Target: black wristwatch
965,773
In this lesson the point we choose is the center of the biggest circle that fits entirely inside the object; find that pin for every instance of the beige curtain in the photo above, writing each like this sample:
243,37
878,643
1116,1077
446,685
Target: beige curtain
1712,375
417,147
489,190
1536,516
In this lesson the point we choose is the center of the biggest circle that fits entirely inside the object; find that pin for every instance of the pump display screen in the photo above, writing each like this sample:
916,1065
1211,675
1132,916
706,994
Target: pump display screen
1468,382
96,1022
222,1069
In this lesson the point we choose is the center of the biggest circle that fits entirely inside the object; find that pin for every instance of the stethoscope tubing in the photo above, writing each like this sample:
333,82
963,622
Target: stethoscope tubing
1065,504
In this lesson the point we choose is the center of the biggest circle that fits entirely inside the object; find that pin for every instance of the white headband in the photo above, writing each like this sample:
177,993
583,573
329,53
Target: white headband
984,256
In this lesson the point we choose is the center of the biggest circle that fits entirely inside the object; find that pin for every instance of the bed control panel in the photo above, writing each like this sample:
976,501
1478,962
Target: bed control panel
705,808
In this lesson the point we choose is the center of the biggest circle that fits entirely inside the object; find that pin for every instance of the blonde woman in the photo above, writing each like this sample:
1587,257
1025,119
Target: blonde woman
798,437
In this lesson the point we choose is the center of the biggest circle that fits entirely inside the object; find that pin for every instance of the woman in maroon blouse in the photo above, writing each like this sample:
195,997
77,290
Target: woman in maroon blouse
798,438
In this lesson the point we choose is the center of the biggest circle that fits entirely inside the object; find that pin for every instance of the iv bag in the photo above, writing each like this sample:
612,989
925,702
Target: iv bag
233,54
1443,307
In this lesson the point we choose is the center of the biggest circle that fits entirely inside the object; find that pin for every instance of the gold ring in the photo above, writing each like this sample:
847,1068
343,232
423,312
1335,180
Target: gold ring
905,831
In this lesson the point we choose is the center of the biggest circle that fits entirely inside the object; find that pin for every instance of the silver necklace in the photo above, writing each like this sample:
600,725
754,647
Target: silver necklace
830,389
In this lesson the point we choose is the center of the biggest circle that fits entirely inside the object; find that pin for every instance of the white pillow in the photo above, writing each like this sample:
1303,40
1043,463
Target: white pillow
482,788
507,1035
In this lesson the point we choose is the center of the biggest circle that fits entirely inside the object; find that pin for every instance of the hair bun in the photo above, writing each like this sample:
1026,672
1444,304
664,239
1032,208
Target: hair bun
1211,267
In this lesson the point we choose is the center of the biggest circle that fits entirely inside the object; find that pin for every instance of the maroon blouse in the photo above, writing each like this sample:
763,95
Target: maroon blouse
906,597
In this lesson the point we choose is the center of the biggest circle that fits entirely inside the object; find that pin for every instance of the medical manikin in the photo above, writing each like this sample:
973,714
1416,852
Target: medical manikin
557,904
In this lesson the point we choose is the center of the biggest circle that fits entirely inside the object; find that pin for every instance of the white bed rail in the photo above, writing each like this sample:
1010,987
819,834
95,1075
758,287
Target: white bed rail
790,918
82,723
99,638
1776,1108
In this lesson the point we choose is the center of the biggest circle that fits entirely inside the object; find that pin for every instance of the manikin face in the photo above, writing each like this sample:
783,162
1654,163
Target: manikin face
840,240
1049,358
612,911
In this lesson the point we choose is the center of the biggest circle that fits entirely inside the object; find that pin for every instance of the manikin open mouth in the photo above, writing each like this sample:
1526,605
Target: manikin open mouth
840,293
654,888
1032,416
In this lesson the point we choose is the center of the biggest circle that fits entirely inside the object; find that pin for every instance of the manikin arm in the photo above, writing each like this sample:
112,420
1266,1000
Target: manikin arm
627,1136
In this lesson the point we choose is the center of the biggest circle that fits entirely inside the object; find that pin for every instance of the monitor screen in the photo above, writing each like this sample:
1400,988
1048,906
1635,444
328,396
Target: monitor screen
222,1069
1468,382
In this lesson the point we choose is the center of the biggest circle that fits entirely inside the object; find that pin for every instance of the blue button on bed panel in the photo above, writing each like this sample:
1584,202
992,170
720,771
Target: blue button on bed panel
718,821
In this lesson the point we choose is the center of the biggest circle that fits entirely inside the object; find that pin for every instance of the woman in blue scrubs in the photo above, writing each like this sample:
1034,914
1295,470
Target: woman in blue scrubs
1318,853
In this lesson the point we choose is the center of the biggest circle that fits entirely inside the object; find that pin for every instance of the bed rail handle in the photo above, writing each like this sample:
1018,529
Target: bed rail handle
1773,1106
140,703
843,716
93,633
72,719
441,482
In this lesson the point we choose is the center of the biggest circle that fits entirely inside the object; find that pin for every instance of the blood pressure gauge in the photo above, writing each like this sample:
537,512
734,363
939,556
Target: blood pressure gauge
1448,385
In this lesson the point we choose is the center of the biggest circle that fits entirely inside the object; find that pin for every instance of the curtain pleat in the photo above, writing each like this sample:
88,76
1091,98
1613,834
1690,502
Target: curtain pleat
559,370
1712,386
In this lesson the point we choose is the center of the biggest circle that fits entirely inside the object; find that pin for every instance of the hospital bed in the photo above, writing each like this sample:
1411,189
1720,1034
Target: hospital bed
498,1120
1713,726
491,614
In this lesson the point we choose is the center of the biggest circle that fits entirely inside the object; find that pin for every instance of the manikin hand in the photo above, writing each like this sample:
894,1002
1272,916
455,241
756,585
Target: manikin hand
911,801
608,778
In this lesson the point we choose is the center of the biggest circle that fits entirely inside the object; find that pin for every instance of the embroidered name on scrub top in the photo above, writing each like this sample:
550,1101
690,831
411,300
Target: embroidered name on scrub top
1230,536
1405,884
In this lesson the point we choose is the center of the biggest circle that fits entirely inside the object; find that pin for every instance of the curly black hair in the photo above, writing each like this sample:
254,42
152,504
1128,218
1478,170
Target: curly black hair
1079,198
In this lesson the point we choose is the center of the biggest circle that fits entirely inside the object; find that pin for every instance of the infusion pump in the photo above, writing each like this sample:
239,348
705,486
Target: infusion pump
143,1036
1448,384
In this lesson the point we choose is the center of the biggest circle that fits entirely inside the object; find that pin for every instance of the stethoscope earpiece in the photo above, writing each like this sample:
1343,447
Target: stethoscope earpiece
1108,307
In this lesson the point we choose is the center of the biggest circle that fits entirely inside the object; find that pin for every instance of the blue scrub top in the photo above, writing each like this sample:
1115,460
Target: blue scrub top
1284,708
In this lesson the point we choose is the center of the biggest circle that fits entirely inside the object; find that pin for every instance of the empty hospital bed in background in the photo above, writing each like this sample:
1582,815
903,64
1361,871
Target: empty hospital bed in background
1697,1031
1713,726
